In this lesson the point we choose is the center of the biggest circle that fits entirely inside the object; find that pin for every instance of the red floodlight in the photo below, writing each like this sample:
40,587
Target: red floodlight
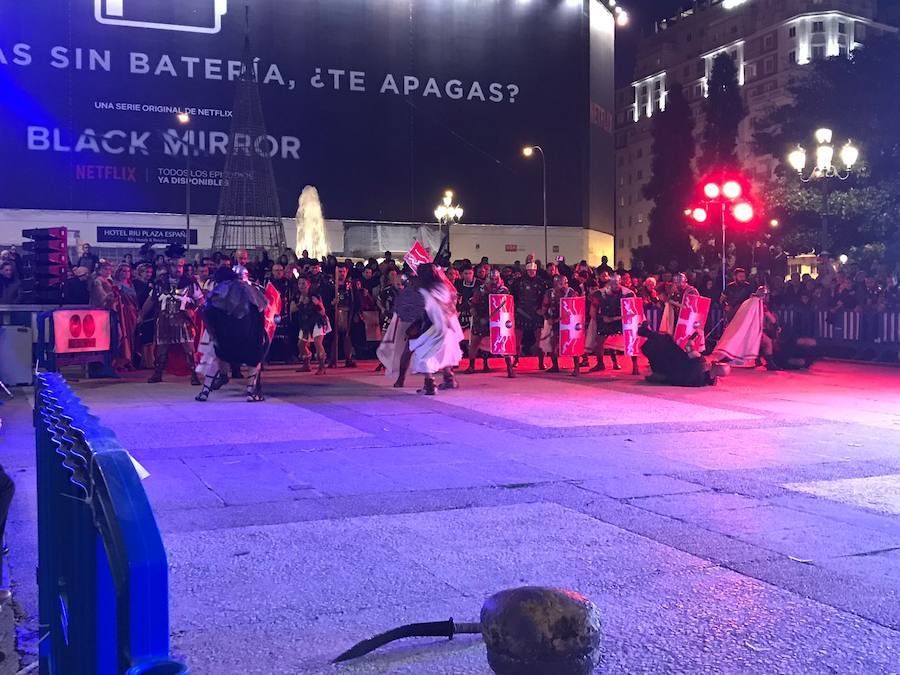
743,212
711,190
731,189
699,214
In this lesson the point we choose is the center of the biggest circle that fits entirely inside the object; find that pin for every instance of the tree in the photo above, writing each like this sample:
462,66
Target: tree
851,97
723,111
671,183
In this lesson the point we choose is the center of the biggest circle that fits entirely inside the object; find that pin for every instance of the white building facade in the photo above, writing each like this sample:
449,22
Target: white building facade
770,41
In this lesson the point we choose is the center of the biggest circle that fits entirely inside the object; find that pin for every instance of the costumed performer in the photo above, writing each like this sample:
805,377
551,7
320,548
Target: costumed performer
437,348
234,317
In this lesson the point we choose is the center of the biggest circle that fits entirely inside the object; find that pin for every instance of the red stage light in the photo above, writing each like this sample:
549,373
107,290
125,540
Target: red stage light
732,189
743,212
711,190
699,214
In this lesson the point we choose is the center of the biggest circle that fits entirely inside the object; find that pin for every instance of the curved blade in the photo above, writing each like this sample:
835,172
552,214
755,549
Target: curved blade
430,629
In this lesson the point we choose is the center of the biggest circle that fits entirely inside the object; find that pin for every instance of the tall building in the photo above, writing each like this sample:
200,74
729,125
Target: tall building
771,41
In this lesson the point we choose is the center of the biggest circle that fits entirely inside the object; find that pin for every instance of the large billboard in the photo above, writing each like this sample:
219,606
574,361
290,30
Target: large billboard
380,104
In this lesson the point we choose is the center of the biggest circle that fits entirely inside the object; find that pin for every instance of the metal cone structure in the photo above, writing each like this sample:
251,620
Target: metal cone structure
249,212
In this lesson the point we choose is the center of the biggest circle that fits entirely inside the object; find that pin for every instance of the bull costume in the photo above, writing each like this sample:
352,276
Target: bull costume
234,317
436,349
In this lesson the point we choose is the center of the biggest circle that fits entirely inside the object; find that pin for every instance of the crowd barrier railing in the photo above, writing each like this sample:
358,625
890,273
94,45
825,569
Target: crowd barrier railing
102,569
846,328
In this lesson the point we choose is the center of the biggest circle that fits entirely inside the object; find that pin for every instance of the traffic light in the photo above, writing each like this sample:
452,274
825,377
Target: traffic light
46,268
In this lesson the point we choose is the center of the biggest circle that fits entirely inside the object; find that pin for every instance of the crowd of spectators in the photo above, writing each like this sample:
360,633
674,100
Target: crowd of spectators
364,290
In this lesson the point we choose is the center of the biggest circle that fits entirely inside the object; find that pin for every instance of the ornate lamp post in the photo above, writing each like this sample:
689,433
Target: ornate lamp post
823,171
447,213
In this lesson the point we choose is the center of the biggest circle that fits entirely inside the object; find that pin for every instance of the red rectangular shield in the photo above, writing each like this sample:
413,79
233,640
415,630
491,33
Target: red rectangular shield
691,318
632,318
571,326
416,256
503,325
273,309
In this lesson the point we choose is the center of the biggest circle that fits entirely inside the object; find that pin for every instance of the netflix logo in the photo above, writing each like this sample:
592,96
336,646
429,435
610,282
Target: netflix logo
123,174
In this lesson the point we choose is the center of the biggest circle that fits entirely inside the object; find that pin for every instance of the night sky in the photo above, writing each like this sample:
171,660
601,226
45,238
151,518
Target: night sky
642,14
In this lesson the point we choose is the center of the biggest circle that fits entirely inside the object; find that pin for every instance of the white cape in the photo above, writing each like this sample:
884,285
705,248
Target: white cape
740,340
393,344
438,347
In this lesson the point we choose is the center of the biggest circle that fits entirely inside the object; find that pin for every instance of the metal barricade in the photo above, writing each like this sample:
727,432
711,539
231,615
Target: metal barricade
102,570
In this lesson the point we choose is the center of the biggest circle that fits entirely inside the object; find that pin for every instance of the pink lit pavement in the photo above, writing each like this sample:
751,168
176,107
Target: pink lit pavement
750,527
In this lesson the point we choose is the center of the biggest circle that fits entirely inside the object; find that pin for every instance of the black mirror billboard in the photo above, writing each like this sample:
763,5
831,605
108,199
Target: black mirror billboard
380,104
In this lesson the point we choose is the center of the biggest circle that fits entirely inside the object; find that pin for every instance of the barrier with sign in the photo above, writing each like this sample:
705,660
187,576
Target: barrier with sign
102,570
76,336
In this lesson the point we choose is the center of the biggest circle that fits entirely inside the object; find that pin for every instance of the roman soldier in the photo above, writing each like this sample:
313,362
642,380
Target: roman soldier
175,297
481,320
528,293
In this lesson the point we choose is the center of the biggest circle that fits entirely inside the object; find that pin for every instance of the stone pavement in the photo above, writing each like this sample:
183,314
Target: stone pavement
748,528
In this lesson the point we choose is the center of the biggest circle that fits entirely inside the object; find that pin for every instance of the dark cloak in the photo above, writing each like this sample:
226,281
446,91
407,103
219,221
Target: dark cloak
235,318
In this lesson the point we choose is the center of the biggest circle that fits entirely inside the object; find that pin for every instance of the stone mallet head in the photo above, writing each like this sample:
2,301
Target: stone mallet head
527,631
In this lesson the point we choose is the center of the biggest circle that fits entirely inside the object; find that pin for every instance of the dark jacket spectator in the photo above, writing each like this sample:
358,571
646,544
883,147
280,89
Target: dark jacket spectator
10,286
87,259
76,290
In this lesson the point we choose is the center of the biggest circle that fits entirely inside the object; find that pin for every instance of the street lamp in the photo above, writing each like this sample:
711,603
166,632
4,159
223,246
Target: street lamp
447,214
726,194
824,169
528,151
184,119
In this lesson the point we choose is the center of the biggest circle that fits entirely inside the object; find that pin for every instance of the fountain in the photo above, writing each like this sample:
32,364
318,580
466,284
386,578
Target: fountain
310,224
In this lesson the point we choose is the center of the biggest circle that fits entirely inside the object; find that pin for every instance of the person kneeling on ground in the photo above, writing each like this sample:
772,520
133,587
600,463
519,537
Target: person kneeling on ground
673,365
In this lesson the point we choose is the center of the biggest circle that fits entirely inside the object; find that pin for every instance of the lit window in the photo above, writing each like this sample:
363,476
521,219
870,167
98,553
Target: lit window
818,27
621,201
792,31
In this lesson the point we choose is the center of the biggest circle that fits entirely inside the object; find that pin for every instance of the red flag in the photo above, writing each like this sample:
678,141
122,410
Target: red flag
571,326
417,256
273,309
632,318
691,319
503,325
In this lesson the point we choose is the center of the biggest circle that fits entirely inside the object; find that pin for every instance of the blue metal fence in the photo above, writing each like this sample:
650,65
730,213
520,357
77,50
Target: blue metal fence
102,570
